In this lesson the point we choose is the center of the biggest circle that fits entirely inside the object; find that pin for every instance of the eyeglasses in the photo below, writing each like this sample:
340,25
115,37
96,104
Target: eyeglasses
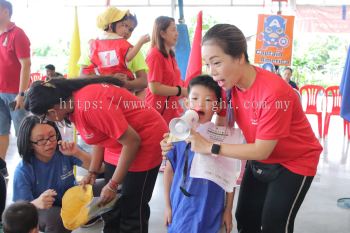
43,142
185,172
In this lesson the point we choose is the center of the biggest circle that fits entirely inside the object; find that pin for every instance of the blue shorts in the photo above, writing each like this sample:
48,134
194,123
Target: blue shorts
6,114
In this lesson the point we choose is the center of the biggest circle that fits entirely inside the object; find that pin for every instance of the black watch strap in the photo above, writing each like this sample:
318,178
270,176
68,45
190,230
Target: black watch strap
21,93
178,91
215,149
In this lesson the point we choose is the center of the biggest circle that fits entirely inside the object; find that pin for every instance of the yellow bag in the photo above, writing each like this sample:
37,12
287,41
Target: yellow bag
74,211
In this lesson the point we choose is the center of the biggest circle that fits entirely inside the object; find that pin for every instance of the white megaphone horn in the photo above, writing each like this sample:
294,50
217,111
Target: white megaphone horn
181,127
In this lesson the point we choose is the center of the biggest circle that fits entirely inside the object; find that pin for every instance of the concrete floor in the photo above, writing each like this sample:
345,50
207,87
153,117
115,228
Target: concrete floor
319,212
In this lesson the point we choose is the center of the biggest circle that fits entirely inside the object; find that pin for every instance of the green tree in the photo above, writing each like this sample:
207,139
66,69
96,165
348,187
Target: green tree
320,60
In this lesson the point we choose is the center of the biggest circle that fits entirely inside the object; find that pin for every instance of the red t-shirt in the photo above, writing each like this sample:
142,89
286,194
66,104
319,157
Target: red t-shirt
14,45
271,110
165,71
102,114
109,56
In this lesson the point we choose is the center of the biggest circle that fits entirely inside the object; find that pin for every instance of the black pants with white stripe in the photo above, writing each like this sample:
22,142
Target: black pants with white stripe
270,207
131,212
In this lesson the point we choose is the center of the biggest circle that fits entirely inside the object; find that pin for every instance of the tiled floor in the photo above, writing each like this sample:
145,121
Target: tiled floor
319,212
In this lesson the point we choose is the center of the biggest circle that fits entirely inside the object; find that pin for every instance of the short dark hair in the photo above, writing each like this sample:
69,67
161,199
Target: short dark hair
229,38
20,217
50,67
25,147
288,68
208,82
132,18
7,5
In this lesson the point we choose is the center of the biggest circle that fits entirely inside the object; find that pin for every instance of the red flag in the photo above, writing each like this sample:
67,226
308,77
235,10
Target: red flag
194,67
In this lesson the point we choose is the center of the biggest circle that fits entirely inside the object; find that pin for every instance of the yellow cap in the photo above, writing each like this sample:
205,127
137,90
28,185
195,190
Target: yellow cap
109,16
74,211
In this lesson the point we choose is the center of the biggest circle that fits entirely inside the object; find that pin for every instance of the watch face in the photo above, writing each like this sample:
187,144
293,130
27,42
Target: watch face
215,149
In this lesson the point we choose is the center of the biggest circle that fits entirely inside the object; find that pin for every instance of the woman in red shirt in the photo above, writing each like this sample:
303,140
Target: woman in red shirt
165,86
281,147
121,128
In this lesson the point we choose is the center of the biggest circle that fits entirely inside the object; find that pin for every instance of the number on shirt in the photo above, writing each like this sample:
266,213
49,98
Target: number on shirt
108,58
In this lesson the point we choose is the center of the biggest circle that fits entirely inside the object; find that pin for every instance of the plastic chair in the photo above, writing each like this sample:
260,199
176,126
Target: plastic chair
347,125
334,107
313,92
35,77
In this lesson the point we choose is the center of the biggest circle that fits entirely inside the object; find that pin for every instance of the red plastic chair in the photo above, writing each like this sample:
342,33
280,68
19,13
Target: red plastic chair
334,107
347,125
313,92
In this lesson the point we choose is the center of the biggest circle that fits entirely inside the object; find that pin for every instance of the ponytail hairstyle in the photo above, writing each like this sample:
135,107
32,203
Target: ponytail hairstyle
43,96
229,38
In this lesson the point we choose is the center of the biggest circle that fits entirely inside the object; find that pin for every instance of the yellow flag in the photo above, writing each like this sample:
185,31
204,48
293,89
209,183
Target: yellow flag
73,68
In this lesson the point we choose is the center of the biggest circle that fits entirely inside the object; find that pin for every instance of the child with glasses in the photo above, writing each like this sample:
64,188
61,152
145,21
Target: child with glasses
195,205
46,170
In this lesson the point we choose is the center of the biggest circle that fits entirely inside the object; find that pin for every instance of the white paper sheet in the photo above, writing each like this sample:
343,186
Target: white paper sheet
96,210
222,170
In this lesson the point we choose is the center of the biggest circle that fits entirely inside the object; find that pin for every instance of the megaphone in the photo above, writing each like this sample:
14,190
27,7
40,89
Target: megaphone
181,127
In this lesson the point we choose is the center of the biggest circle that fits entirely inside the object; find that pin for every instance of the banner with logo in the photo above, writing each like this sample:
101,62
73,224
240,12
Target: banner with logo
274,39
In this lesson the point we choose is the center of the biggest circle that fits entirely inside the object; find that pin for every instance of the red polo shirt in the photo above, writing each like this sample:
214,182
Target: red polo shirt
102,114
165,71
14,45
271,110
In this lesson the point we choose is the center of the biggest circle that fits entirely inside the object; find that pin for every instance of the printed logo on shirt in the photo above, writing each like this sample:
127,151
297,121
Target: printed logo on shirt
64,169
254,119
89,136
67,175
108,58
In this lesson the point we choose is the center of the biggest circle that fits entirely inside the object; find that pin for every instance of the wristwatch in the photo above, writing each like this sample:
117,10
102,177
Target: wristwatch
21,93
215,149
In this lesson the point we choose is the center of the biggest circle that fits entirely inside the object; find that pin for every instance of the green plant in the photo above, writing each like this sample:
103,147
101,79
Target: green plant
319,60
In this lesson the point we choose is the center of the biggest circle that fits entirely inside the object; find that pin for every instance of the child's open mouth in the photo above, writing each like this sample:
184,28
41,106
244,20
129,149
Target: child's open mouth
200,113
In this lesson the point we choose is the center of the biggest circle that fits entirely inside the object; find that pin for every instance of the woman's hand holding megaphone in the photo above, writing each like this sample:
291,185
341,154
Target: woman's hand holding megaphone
198,143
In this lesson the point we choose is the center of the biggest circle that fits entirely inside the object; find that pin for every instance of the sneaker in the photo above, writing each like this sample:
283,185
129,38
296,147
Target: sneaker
4,172
92,222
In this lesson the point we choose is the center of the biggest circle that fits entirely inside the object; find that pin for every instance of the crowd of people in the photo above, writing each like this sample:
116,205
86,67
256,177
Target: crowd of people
128,144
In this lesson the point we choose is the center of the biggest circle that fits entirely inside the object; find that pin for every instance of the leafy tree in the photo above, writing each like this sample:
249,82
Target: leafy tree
320,60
